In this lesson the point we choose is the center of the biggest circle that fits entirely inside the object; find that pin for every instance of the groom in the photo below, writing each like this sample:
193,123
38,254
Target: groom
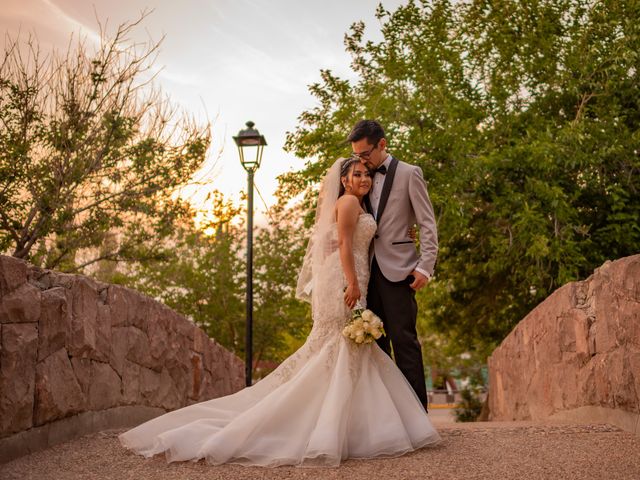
398,199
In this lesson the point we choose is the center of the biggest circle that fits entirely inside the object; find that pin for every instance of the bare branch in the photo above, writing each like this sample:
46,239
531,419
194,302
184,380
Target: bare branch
90,139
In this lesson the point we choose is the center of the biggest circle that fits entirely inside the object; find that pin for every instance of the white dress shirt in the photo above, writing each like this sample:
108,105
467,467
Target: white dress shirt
376,188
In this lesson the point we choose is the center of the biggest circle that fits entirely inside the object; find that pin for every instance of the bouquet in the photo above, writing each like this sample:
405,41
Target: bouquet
364,326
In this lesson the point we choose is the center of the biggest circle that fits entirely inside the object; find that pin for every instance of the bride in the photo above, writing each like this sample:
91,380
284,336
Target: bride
333,398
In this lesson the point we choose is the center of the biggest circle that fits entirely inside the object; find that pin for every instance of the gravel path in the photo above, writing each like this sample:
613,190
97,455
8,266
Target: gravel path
509,450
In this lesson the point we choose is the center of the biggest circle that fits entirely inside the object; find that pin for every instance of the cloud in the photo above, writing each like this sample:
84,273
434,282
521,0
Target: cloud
185,78
71,23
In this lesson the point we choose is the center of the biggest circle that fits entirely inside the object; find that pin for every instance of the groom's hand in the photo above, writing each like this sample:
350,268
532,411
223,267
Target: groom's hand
420,280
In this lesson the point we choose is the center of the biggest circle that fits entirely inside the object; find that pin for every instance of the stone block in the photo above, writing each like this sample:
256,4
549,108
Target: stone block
17,376
105,390
55,322
627,331
140,311
131,383
82,370
634,367
626,275
205,391
72,347
102,351
119,348
66,280
211,356
138,348
58,393
22,304
84,321
158,334
182,379
178,352
170,397
197,374
182,326
576,350
120,301
149,386
13,274
200,340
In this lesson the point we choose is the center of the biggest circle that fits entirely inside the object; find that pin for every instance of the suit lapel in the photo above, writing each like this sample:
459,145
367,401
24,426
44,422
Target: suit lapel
386,187
367,203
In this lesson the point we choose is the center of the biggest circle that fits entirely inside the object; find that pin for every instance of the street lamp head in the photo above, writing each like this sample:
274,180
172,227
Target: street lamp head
250,144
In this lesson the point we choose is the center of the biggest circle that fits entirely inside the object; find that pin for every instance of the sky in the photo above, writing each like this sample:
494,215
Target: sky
223,61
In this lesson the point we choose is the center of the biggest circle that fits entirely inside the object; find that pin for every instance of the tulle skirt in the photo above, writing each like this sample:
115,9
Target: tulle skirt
323,404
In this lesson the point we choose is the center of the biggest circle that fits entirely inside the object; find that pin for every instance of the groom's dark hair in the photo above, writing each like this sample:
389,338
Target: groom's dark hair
369,129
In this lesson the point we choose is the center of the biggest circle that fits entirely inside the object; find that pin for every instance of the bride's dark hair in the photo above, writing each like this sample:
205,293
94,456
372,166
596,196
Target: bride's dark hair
345,168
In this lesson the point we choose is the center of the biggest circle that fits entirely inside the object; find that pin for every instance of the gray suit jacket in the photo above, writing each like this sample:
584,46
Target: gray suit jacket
404,201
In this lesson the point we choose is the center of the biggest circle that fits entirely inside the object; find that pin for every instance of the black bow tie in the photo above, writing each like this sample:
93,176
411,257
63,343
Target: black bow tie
381,169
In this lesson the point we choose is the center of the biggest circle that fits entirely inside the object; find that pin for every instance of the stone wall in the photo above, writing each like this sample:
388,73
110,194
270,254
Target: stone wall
576,356
79,356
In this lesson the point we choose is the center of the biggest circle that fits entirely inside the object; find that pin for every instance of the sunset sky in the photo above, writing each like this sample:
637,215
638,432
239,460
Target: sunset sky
226,60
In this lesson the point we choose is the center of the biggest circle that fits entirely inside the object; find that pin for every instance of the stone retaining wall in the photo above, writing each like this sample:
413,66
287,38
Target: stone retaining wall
576,356
79,356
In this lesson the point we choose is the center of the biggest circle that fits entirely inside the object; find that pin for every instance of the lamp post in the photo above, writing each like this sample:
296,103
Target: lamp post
250,145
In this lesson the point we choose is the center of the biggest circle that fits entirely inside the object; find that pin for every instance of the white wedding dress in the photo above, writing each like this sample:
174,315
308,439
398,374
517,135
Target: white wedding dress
331,400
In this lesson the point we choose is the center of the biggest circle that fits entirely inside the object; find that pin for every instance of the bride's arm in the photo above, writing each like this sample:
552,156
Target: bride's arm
347,212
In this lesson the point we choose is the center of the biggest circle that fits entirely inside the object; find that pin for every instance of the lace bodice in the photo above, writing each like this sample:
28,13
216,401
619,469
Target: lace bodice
365,230
329,311
328,304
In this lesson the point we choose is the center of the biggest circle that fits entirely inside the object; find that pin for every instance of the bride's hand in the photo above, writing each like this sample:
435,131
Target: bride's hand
352,295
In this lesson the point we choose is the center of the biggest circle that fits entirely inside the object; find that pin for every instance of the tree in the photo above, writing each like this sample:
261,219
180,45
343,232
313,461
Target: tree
90,153
524,118
282,321
202,275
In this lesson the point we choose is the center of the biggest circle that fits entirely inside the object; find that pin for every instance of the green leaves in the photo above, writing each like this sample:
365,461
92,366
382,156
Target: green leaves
90,152
203,276
524,117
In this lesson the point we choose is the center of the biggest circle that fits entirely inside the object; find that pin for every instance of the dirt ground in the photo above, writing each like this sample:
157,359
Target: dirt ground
489,450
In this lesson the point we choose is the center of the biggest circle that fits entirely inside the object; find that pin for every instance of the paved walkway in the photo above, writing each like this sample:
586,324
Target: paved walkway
490,450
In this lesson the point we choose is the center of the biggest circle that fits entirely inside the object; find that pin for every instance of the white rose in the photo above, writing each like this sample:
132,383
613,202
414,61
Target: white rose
359,339
367,315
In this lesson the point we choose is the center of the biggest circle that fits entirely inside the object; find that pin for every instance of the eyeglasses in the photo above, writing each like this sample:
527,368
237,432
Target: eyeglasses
365,155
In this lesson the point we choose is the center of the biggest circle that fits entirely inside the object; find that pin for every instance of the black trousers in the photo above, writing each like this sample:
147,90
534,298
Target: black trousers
395,304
